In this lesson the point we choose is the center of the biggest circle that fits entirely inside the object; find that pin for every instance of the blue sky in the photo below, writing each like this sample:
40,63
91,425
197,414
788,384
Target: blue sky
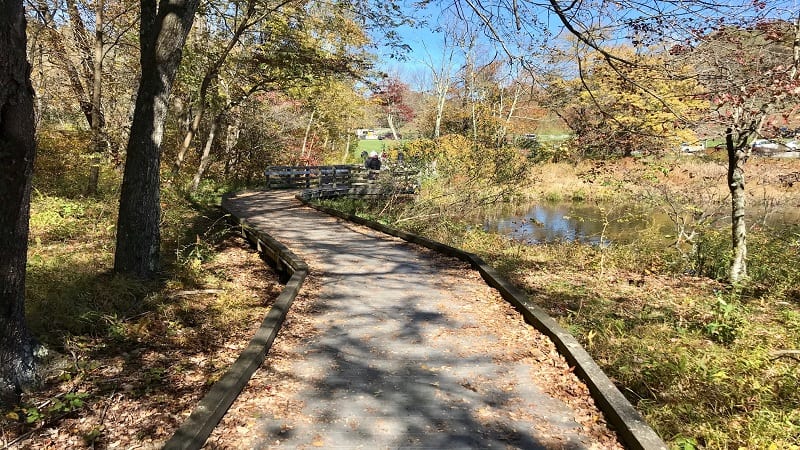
423,41
426,45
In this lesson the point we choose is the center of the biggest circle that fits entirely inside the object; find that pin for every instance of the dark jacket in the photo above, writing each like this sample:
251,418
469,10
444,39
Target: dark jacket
373,163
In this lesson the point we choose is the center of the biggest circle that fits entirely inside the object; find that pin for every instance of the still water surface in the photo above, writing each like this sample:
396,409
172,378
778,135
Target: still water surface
581,222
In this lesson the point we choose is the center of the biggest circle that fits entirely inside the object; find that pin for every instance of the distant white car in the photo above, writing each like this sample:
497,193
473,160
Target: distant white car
793,145
692,148
766,146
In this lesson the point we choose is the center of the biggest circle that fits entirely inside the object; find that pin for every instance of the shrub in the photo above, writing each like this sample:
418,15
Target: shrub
771,261
63,163
712,254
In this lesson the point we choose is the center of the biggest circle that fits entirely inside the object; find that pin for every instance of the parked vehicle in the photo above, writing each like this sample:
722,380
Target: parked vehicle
766,146
692,148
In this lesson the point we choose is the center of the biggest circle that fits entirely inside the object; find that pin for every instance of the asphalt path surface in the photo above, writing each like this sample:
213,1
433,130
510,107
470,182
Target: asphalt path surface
403,353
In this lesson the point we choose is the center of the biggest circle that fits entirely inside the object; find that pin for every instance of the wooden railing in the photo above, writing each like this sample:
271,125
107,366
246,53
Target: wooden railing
337,180
306,177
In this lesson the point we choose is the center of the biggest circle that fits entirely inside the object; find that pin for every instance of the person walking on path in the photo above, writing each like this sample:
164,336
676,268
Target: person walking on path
373,162
373,165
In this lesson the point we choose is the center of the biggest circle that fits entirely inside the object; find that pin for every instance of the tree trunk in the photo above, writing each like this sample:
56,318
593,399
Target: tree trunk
390,120
162,35
206,158
346,149
233,132
59,48
503,129
796,49
305,136
210,75
441,86
474,114
187,138
232,136
17,152
97,118
440,102
738,269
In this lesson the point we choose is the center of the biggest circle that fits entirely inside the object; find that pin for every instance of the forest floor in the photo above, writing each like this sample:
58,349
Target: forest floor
133,388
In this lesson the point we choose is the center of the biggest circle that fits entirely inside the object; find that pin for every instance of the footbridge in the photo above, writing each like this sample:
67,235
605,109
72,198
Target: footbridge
383,339
340,180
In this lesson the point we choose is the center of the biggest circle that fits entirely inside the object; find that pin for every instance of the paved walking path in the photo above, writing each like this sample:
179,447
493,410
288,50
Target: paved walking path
406,349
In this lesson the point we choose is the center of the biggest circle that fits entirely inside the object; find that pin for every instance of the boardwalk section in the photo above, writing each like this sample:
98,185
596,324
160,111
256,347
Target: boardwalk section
403,348
341,180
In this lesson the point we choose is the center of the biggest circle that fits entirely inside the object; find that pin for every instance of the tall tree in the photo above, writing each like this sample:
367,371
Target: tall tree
297,31
17,152
610,116
242,23
98,121
332,103
302,53
751,74
81,43
391,97
162,33
442,75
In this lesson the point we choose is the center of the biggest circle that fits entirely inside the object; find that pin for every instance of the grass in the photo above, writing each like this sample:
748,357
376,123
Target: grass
71,288
376,145
708,366
716,374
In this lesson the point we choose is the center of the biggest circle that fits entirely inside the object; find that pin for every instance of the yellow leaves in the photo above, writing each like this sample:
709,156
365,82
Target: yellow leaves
776,446
652,96
590,338
420,148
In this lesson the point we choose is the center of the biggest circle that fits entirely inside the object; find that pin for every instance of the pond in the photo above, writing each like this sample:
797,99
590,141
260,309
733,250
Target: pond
596,223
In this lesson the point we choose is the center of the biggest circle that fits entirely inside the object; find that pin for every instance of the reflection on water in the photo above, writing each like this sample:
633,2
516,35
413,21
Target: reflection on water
569,222
536,224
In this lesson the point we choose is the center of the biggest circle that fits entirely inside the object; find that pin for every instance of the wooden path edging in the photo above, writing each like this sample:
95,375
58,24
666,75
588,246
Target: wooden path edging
196,429
636,434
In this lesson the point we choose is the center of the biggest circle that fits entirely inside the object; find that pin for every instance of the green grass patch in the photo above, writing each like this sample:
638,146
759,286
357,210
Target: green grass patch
71,289
377,145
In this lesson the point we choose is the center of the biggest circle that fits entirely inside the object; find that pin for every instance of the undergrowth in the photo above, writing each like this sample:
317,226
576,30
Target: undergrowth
71,287
82,312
